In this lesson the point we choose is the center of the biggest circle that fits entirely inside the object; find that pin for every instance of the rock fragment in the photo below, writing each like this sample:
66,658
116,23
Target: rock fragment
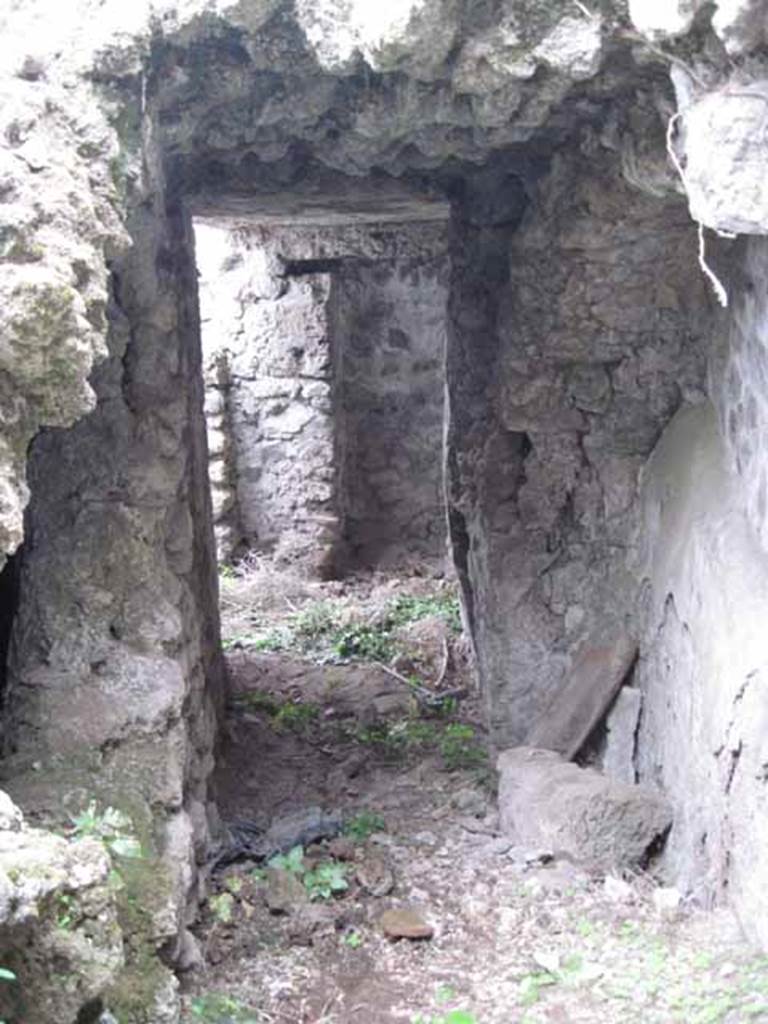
283,892
405,923
547,802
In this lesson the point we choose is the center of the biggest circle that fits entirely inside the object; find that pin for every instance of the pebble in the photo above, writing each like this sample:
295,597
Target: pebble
375,876
283,891
405,923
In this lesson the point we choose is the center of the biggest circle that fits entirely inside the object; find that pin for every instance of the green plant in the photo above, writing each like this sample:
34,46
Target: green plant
257,700
269,641
409,608
321,882
222,907
444,994
292,861
326,880
6,975
353,939
312,624
459,749
295,717
110,826
397,738
65,911
217,1008
451,1017
371,643
531,985
364,824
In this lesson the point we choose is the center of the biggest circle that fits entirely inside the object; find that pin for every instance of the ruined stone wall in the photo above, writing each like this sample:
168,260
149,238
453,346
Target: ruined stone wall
389,322
704,564
113,672
702,671
600,338
571,344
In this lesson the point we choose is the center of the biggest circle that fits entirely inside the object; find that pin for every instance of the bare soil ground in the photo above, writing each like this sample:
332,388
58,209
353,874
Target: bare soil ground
517,937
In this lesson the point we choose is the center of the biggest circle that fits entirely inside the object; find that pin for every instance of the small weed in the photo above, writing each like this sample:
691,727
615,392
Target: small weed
222,907
353,939
216,1008
313,624
451,1017
408,608
292,861
326,880
459,749
295,717
257,700
111,827
395,739
289,716
6,975
532,984
370,643
363,825
234,884
269,641
321,882
65,911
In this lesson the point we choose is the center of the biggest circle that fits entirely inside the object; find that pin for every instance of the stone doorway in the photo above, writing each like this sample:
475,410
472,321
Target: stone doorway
323,336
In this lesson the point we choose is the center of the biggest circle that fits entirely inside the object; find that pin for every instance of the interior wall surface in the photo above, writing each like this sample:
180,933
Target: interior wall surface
573,341
114,671
388,320
703,564
268,375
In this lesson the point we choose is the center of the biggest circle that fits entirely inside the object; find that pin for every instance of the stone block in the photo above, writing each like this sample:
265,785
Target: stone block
594,679
547,802
621,725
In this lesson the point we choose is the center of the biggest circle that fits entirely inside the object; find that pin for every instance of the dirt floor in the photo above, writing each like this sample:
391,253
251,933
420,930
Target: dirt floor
335,730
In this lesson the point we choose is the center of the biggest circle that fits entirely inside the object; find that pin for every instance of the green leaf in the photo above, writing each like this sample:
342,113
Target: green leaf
222,907
459,1017
6,975
292,861
125,846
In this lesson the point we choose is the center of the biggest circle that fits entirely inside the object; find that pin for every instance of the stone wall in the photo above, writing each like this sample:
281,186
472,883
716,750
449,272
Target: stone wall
598,334
704,565
324,390
703,728
388,321
114,674
571,344
268,376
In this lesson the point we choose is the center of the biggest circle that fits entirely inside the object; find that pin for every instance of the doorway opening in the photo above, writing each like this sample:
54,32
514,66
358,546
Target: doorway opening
323,336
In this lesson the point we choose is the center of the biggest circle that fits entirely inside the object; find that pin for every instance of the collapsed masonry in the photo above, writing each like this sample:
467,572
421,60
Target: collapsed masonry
606,483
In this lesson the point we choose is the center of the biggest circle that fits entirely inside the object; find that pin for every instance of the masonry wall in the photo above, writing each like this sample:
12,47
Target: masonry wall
114,674
574,340
268,399
389,321
703,564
